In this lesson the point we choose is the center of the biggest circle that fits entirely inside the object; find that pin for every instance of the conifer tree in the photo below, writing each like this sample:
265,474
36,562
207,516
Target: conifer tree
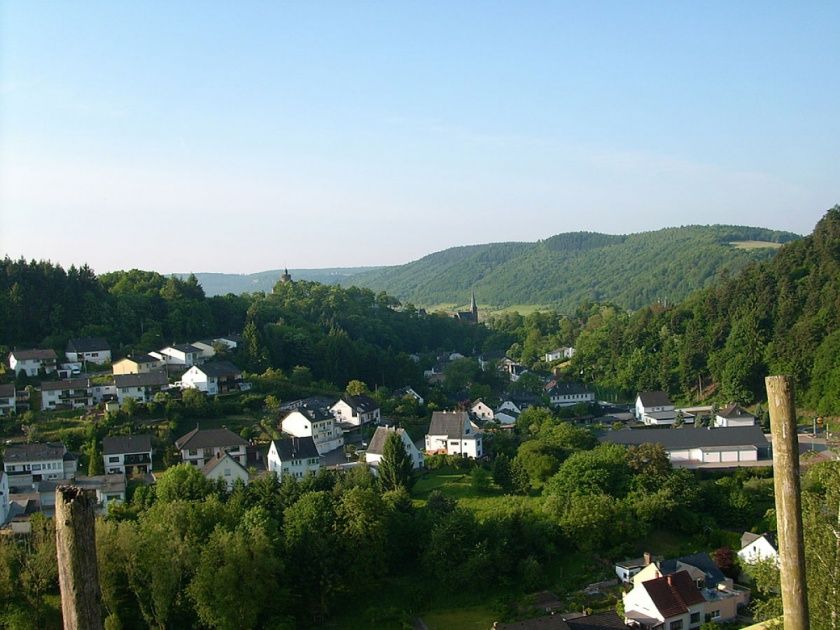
395,466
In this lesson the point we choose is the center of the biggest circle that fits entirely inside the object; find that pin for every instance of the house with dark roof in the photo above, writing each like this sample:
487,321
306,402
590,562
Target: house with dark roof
354,411
453,433
567,394
758,547
28,464
224,466
138,364
8,399
408,392
141,387
376,447
734,416
30,362
482,411
671,602
697,448
315,422
183,355
294,457
70,393
127,454
655,408
199,446
92,349
214,377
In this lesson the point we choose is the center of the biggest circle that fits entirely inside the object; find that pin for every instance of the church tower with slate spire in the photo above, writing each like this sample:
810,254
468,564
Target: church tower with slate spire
471,315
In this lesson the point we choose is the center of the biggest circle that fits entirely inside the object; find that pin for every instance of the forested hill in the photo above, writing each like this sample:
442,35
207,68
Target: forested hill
780,316
238,283
567,269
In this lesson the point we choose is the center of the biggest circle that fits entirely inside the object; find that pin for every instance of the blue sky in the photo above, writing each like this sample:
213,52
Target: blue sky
238,137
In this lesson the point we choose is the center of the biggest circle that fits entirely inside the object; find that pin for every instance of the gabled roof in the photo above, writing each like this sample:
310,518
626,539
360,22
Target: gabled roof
141,358
377,442
655,399
673,594
689,438
7,390
361,403
88,344
295,448
146,379
313,402
119,444
35,353
734,411
747,538
68,383
218,459
184,347
702,561
452,424
209,438
34,452
219,369
315,414
568,389
402,392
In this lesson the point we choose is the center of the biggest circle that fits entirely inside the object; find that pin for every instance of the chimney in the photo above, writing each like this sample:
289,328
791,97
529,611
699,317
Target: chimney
646,556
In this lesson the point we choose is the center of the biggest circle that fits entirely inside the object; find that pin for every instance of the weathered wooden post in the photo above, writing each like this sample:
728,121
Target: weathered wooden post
780,401
78,575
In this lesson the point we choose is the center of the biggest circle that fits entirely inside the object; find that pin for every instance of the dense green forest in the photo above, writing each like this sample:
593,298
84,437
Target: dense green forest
567,269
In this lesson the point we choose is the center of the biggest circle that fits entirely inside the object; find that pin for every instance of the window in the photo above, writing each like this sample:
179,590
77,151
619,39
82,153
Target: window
676,625
715,614
227,472
695,618
113,459
192,452
36,467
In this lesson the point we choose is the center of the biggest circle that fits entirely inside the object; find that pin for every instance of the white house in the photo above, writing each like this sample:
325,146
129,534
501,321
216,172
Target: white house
734,416
453,433
31,361
223,466
671,602
127,454
72,393
184,354
319,424
626,569
482,410
510,405
208,350
200,446
138,364
569,394
4,498
758,547
8,399
294,457
375,449
559,353
231,342
92,349
655,408
356,410
140,387
27,464
108,488
512,368
408,391
506,417
215,377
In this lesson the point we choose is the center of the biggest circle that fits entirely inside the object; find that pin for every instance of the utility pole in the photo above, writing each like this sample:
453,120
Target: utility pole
78,575
780,401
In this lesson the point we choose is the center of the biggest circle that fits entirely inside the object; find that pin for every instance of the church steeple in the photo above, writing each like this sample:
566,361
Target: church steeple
286,277
473,305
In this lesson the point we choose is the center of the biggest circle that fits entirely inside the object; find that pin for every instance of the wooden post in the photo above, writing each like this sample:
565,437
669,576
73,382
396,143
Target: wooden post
780,401
78,575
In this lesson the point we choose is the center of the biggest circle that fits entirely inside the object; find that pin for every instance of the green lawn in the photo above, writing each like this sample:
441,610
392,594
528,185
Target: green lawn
755,245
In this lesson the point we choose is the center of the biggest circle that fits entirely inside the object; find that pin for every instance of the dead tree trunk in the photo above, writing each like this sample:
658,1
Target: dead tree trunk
788,501
78,575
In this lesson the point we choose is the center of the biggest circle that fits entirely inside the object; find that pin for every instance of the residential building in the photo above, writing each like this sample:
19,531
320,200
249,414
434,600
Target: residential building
655,408
671,602
208,350
758,547
213,378
698,448
356,410
558,354
512,368
91,349
8,399
73,393
199,446
734,416
627,569
568,394
231,342
453,433
30,362
506,416
408,392
294,457
27,464
184,355
314,422
107,488
376,448
224,466
127,454
481,410
138,364
141,387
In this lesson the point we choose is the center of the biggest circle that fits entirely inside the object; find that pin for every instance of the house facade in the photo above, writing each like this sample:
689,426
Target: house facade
758,547
356,410
184,355
294,458
138,364
655,408
453,433
140,387
734,416
213,378
200,446
223,466
27,464
375,449
319,424
8,399
569,394
30,362
671,602
127,454
481,410
74,393
91,349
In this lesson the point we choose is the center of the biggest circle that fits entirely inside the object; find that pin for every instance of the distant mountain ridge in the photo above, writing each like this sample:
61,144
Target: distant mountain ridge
224,283
561,271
